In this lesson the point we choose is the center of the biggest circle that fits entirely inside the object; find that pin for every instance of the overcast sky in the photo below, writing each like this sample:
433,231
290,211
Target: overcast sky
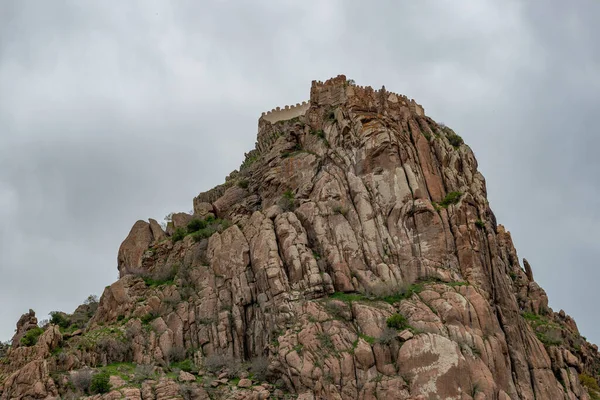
110,114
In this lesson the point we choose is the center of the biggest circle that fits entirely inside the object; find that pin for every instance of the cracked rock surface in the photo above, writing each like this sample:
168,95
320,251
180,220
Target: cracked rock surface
354,255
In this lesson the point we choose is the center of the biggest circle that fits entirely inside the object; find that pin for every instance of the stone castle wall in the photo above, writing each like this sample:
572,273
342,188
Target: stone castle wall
338,90
288,112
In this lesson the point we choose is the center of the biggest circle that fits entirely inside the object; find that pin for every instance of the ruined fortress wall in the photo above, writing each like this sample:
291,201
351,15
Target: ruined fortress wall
288,112
339,90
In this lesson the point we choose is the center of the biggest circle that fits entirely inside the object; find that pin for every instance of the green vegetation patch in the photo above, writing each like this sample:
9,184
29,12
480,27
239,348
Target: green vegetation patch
100,383
454,139
31,336
250,159
367,338
547,332
123,370
185,365
451,198
201,228
398,322
591,385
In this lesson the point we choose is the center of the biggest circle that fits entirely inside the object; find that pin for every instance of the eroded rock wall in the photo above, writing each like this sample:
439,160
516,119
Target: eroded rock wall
359,212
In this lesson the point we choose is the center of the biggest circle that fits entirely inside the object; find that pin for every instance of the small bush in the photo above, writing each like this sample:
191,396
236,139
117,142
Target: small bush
480,224
185,365
398,322
250,159
115,349
259,368
100,383
388,335
451,198
31,337
590,384
214,363
178,235
60,319
549,338
82,379
176,354
217,363
244,183
143,372
151,316
195,225
454,139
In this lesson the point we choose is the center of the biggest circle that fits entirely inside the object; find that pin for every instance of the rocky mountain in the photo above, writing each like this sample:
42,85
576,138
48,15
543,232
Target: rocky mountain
354,255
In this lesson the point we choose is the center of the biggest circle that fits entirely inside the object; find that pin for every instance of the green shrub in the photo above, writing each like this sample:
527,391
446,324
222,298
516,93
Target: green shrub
589,383
480,224
164,275
250,159
397,322
60,319
185,365
100,383
31,337
549,338
453,138
195,225
151,316
243,183
451,198
178,235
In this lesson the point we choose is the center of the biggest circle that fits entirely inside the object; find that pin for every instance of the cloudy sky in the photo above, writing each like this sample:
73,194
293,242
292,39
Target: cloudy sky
113,114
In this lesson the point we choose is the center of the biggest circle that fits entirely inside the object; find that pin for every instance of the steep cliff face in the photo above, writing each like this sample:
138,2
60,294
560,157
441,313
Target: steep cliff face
354,253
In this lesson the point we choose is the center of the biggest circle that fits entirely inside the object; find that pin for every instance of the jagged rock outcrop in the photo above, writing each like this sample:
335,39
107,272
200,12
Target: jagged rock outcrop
353,256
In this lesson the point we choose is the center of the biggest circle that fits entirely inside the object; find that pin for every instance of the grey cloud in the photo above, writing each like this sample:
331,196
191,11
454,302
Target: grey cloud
109,115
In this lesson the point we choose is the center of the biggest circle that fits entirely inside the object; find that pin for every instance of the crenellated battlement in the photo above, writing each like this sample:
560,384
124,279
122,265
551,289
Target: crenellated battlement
339,90
288,112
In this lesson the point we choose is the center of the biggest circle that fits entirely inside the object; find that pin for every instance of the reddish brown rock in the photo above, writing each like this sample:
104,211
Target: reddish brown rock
356,192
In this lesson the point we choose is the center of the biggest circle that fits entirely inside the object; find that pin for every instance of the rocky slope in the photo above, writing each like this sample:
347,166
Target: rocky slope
353,256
